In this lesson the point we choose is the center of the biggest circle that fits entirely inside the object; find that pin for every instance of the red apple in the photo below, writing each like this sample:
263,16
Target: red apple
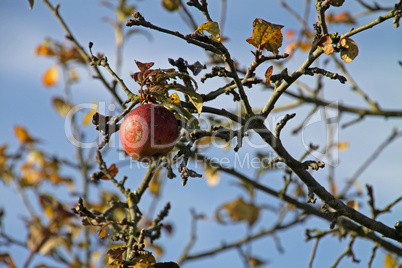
148,132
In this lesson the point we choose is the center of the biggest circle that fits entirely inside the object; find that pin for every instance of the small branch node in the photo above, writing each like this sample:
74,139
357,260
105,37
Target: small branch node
282,124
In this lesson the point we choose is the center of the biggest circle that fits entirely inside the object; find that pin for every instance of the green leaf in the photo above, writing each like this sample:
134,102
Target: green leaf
61,107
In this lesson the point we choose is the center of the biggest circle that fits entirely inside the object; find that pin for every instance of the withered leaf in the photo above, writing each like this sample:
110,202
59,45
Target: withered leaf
337,3
268,74
61,107
116,254
144,261
238,211
212,175
326,44
196,67
6,258
353,204
266,36
31,4
22,135
171,5
144,66
113,170
349,49
342,17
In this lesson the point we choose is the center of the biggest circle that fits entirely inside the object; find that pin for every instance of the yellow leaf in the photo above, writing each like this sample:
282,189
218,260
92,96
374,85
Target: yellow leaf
30,177
174,98
255,262
266,36
3,157
353,204
22,135
73,76
342,17
51,76
305,46
239,211
144,261
116,254
343,146
212,28
349,49
114,264
37,158
171,5
212,175
155,184
46,202
195,98
44,50
56,179
61,107
390,261
102,232
88,116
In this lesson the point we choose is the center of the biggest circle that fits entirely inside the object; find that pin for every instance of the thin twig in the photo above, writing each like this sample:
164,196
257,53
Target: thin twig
193,237
373,252
313,253
84,55
245,240
320,191
394,134
379,20
374,106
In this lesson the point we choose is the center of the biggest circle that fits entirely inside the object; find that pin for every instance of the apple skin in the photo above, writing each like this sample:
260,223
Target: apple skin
148,132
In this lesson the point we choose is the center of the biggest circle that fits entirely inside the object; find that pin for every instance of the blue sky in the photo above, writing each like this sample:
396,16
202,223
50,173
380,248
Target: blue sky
24,101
